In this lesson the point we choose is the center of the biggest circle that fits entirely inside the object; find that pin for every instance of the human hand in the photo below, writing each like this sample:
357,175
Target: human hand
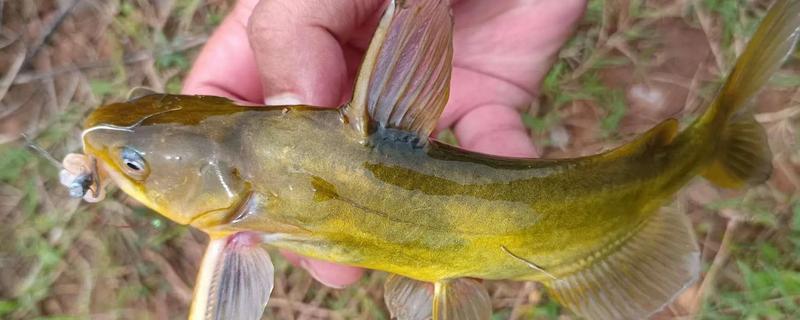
286,52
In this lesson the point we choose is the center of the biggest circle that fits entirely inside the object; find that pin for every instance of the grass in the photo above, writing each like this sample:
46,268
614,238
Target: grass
62,259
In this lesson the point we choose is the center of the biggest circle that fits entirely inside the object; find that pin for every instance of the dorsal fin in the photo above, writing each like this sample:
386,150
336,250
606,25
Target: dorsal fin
404,80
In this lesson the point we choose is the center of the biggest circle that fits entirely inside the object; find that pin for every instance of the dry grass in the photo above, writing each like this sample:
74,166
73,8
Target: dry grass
631,64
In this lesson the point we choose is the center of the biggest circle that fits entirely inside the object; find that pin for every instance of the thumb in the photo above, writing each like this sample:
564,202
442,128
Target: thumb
300,48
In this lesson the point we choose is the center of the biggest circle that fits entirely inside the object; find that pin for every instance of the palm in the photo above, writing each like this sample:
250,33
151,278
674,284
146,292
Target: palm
502,50
506,47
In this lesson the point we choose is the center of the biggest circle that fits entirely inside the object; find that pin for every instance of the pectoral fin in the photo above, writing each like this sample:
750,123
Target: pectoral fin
462,299
636,278
235,280
404,80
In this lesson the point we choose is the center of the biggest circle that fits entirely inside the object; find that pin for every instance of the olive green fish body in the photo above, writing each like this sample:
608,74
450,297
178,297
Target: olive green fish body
457,208
449,211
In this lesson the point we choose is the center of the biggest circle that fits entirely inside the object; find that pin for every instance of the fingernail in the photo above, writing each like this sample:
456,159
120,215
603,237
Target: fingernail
282,99
316,275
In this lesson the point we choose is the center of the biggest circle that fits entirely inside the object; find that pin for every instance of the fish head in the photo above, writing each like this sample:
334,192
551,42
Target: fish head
177,168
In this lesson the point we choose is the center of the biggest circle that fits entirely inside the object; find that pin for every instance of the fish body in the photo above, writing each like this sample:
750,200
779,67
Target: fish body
456,208
364,185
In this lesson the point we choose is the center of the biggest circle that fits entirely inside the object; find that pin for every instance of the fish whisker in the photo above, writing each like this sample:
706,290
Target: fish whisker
123,128
529,263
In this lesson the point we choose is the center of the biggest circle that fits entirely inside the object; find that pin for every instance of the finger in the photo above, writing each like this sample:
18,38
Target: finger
298,47
495,129
532,34
471,89
226,65
507,70
480,113
327,273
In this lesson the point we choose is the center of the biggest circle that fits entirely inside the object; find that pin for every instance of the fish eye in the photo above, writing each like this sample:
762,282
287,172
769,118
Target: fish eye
133,163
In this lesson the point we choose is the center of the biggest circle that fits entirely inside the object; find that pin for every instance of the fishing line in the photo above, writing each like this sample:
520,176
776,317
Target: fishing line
81,184
41,151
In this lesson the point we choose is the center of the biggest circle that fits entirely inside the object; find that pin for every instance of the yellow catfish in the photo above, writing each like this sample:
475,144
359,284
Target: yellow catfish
364,185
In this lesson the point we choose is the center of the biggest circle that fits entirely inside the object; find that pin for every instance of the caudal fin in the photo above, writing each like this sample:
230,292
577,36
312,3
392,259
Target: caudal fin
742,157
771,44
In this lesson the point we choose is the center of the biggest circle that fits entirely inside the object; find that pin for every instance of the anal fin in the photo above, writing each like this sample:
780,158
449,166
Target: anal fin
234,281
456,299
644,274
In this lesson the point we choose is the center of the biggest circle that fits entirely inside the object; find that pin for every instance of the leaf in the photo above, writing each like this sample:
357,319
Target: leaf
9,199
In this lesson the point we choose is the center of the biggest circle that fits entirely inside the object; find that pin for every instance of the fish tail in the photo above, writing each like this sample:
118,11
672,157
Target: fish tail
741,154
742,157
